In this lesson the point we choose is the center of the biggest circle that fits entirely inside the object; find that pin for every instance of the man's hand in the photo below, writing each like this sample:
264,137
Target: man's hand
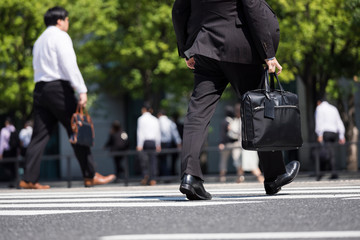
158,149
221,146
272,65
190,63
83,99
320,139
342,141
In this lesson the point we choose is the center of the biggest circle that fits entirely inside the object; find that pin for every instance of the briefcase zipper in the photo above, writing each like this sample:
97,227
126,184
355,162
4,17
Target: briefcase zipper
281,106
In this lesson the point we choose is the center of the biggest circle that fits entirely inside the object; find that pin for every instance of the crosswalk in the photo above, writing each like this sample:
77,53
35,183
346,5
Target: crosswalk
25,202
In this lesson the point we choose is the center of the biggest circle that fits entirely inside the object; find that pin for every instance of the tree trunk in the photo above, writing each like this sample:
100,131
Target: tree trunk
352,160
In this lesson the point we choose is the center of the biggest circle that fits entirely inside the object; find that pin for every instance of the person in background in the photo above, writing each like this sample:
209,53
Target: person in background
25,137
56,75
169,136
329,129
9,148
225,42
230,144
118,141
148,143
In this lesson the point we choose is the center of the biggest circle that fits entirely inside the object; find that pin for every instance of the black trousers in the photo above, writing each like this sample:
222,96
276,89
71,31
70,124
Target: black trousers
149,160
53,102
330,139
211,78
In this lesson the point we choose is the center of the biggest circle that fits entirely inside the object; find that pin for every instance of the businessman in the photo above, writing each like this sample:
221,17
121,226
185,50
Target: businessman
225,41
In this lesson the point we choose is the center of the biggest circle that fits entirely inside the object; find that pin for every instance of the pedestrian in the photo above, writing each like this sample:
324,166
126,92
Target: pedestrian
56,75
118,141
170,139
225,41
330,130
230,144
148,144
9,148
25,137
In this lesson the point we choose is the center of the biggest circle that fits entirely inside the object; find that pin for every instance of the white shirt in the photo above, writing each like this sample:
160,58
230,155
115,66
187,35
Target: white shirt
148,128
327,119
54,59
168,130
25,136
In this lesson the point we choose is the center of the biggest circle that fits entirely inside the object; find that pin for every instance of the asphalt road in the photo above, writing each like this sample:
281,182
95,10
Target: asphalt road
302,210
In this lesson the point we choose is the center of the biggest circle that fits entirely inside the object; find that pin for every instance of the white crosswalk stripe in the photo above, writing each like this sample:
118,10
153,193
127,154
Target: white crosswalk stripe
18,203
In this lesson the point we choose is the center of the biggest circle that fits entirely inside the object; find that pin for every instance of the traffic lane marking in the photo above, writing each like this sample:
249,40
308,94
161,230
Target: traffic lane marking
257,235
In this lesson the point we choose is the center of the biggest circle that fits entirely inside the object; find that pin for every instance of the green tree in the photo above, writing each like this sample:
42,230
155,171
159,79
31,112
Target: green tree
140,56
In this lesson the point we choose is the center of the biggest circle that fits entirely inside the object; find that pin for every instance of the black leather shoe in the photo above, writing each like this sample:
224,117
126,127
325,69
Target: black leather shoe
193,188
274,187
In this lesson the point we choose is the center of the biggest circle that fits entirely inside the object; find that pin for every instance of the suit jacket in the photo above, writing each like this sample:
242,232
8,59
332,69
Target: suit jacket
239,31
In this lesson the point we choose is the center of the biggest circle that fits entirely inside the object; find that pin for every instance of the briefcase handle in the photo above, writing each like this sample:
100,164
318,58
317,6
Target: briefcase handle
269,83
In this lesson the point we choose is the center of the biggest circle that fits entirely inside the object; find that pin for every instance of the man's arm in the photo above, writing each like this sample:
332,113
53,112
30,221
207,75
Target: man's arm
68,63
180,16
254,12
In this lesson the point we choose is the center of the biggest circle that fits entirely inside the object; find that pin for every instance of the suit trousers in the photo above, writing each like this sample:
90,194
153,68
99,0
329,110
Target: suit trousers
330,140
53,102
149,160
210,80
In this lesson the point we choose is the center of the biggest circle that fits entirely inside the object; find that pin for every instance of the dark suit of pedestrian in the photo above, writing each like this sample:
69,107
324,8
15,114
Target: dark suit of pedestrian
229,40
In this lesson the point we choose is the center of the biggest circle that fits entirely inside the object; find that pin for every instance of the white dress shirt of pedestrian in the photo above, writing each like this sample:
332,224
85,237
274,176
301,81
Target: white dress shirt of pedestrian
169,132
148,128
54,58
327,119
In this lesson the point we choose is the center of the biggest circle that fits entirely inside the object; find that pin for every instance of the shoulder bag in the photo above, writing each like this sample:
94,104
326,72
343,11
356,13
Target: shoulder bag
82,127
270,118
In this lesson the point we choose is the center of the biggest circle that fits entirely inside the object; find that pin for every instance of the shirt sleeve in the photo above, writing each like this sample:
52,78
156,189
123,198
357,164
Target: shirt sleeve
139,134
68,64
175,133
158,134
340,127
318,120
2,141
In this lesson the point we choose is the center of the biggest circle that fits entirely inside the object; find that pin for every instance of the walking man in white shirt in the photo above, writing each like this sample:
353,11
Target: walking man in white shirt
56,75
329,129
148,140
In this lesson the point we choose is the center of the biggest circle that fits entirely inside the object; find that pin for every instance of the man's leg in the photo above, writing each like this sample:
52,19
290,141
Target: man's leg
44,122
208,87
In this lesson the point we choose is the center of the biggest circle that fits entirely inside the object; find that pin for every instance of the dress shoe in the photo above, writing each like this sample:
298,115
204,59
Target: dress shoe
152,183
99,179
193,188
274,187
145,180
29,185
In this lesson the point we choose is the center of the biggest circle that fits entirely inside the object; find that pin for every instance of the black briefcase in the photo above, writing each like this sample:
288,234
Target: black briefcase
270,118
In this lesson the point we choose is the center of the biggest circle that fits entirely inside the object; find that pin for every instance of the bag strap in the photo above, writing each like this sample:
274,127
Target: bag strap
269,83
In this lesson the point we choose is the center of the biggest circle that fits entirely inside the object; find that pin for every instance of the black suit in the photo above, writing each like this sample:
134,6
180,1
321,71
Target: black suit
229,40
